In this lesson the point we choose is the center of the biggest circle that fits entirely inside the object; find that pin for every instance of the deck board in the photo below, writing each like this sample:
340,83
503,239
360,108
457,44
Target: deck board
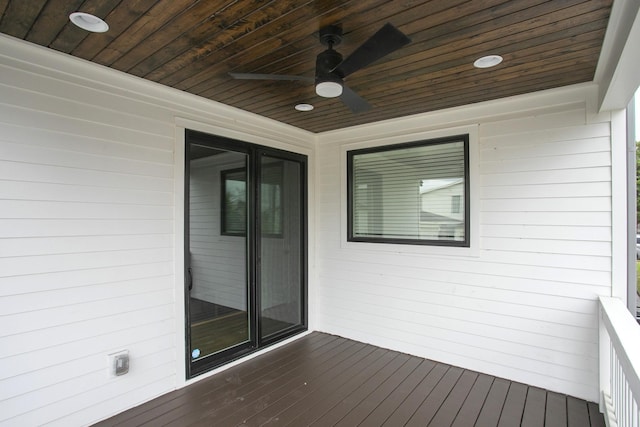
385,393
577,412
410,405
332,401
556,412
431,405
513,406
387,407
324,380
595,417
492,408
534,408
332,410
474,402
449,409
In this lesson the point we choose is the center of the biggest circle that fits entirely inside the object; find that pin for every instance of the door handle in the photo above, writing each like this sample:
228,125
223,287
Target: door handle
189,278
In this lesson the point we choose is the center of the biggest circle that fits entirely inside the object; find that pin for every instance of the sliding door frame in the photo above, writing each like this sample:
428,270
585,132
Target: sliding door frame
254,154
302,160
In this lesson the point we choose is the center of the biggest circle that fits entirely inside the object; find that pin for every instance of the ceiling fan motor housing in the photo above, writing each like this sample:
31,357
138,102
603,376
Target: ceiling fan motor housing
328,82
327,61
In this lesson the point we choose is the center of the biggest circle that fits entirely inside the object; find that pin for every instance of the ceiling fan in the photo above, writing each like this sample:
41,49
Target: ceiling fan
331,69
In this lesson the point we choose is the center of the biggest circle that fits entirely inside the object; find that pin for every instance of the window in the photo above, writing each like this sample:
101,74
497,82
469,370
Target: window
415,193
234,202
271,198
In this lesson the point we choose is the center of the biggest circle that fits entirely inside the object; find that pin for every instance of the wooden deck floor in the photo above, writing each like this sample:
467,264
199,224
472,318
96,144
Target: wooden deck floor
324,380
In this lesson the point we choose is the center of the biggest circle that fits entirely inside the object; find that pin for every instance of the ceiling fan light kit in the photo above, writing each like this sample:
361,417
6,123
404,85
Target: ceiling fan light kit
331,69
329,89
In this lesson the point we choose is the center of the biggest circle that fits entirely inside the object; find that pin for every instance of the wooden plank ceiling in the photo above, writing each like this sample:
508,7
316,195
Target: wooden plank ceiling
192,45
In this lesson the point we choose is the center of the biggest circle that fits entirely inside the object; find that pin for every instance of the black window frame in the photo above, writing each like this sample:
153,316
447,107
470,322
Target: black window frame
224,177
466,243
276,227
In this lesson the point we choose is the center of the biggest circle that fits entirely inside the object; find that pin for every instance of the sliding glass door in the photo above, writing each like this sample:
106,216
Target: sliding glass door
281,240
245,248
217,253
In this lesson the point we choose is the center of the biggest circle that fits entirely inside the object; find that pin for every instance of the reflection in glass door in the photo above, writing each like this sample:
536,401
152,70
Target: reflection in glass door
218,300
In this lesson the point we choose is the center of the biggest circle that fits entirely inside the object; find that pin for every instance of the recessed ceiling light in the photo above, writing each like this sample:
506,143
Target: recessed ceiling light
488,61
89,22
304,107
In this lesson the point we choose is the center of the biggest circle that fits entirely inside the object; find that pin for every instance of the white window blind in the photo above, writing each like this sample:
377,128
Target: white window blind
413,193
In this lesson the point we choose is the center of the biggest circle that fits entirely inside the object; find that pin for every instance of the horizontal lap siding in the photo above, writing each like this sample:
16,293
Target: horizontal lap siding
525,307
86,250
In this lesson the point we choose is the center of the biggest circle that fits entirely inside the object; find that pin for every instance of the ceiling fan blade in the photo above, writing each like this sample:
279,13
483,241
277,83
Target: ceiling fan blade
250,76
355,102
386,40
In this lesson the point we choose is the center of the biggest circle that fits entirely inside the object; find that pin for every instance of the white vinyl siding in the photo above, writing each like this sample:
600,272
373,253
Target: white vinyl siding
86,254
525,307
88,228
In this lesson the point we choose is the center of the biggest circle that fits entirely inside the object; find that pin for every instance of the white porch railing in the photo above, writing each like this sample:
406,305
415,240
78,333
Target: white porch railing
619,364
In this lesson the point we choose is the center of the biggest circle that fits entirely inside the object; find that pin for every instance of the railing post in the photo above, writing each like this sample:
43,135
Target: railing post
604,355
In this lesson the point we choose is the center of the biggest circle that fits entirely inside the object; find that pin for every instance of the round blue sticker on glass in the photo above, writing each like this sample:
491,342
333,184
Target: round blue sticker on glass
195,353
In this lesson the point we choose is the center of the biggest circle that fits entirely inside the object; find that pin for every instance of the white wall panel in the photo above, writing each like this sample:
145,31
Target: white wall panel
536,149
13,285
524,307
64,175
71,245
90,144
541,218
25,343
20,190
97,162
89,233
561,176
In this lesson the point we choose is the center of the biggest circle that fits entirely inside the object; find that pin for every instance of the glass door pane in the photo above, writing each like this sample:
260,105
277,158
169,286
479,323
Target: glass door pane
281,245
218,303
